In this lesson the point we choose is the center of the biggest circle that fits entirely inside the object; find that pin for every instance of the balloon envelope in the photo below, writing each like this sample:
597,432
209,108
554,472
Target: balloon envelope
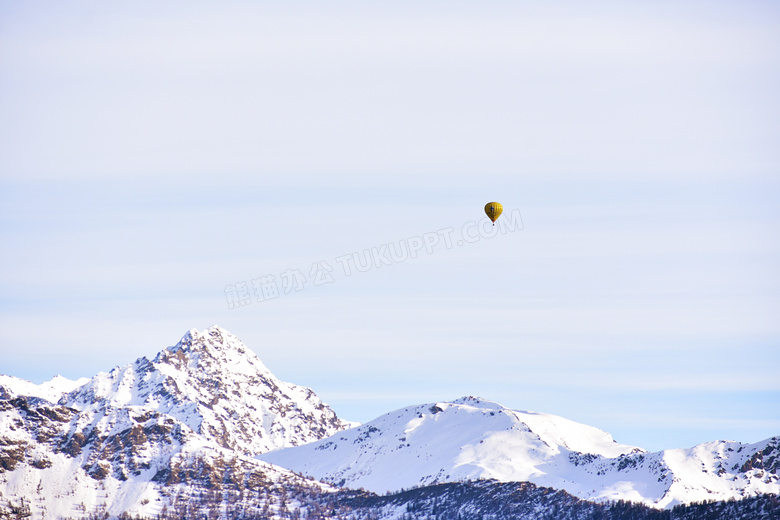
493,210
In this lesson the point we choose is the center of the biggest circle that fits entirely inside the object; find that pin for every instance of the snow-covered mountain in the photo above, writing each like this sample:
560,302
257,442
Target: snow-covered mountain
63,463
220,389
146,436
472,438
189,434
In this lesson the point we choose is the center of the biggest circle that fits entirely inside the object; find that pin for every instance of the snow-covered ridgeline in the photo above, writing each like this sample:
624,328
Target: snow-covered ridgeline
472,438
51,390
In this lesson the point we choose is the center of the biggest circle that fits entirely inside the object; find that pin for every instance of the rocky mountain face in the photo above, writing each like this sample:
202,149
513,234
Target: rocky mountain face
59,462
144,437
472,438
220,389
204,430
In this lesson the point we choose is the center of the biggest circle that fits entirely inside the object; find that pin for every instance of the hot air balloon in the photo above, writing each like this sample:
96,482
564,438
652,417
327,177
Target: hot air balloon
493,211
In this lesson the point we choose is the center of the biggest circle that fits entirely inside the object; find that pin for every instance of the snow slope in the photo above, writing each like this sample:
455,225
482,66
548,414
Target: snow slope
472,438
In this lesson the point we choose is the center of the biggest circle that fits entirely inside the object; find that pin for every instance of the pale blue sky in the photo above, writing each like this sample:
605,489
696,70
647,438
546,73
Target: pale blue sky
152,154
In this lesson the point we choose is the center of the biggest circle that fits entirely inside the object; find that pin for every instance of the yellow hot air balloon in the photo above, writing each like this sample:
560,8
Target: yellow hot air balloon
493,211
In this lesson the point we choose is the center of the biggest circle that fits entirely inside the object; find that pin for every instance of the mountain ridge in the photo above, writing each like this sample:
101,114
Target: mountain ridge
205,424
472,438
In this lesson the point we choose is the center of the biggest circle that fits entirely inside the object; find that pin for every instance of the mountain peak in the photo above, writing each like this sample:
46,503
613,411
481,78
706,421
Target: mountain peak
215,342
212,336
212,356
477,402
217,386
